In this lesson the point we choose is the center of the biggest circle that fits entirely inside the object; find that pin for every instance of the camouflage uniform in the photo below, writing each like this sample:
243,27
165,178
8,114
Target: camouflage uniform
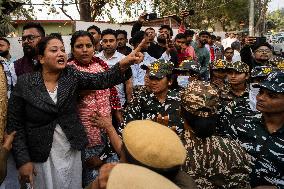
233,105
147,106
214,162
267,149
224,88
277,62
186,69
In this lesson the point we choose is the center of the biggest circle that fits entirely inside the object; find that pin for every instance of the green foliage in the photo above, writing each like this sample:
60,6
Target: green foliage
277,18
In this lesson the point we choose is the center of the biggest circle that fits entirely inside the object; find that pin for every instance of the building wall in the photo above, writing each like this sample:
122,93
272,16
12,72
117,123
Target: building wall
64,29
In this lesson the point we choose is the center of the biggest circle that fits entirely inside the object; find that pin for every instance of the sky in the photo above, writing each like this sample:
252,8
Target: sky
42,15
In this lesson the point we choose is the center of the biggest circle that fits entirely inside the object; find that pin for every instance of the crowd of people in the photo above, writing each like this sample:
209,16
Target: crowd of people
186,111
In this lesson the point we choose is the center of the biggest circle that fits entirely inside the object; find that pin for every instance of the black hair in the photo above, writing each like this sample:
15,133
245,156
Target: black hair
41,46
236,45
36,25
180,36
80,33
150,28
95,28
58,35
123,32
168,28
137,38
109,32
257,45
228,48
6,40
218,38
204,33
213,37
188,33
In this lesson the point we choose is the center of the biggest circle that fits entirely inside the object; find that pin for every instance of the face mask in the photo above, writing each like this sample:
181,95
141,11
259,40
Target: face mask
4,53
182,81
202,126
252,96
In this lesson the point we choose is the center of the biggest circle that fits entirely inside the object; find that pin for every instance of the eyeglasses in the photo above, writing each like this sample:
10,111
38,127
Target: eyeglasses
263,51
29,38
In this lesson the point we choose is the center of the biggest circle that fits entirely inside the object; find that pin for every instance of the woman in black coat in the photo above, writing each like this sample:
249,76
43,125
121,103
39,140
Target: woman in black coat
42,109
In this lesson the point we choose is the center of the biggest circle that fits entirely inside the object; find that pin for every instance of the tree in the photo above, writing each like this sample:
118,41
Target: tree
276,19
7,7
207,12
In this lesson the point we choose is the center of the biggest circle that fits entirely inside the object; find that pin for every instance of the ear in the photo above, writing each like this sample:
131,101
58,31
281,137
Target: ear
41,59
247,76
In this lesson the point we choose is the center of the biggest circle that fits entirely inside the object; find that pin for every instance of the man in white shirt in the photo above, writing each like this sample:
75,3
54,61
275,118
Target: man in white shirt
111,56
138,74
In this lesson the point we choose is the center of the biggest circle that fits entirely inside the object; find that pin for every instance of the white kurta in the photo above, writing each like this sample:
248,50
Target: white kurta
63,168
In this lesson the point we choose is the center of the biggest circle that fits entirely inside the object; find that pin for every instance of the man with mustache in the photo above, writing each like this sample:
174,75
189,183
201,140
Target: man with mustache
256,54
32,34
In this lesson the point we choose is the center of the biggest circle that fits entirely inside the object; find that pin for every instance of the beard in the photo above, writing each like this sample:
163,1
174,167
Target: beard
29,51
161,39
4,54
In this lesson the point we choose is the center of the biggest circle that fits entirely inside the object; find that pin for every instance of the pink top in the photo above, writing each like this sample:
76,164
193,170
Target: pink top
96,101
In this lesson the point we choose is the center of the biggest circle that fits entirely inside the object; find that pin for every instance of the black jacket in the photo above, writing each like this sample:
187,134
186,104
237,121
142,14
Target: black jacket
33,114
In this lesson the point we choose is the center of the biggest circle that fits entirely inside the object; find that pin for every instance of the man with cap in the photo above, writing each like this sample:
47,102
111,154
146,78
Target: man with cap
218,73
258,74
213,161
159,101
262,134
236,101
188,70
141,145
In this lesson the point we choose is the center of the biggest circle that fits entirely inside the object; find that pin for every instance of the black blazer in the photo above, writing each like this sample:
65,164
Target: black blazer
33,114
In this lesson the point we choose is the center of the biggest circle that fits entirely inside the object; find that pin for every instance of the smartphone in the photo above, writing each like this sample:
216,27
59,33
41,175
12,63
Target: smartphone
151,16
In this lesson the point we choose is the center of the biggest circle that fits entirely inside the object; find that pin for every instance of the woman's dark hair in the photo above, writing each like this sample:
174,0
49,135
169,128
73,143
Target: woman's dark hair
41,46
80,33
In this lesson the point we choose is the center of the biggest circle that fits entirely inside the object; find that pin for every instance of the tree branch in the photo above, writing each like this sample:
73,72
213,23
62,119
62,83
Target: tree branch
64,12
77,7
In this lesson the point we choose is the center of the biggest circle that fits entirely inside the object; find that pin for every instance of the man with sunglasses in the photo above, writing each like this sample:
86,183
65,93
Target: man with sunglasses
32,34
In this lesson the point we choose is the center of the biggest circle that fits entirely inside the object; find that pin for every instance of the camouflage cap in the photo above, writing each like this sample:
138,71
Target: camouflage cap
189,65
219,64
261,71
239,66
200,98
274,82
277,62
159,68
